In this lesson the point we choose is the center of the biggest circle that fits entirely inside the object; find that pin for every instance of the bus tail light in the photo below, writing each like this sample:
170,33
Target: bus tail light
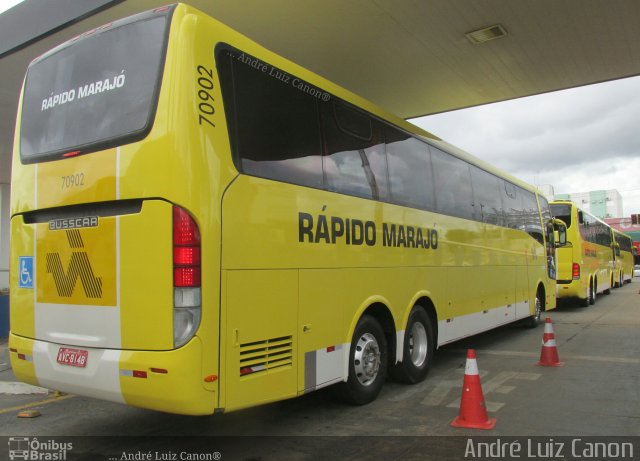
575,271
186,277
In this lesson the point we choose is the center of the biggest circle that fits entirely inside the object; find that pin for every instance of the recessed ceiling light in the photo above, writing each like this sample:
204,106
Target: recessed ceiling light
488,33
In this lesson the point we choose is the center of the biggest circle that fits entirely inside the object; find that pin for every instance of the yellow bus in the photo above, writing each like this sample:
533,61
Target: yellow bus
200,225
586,264
624,258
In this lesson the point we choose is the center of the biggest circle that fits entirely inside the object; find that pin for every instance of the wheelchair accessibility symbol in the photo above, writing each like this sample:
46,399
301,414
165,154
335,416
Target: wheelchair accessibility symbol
26,272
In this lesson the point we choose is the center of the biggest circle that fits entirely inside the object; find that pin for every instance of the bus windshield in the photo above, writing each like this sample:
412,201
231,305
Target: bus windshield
95,91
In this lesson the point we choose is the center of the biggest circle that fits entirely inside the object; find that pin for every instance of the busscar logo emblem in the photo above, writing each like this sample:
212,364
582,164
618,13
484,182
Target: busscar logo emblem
73,223
79,267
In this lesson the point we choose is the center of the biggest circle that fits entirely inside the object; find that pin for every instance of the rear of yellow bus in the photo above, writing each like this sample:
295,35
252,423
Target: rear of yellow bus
573,275
115,217
586,263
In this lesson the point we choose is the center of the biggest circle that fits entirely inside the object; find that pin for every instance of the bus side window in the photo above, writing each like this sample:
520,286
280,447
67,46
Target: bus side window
353,160
531,215
512,205
410,174
274,129
486,197
452,179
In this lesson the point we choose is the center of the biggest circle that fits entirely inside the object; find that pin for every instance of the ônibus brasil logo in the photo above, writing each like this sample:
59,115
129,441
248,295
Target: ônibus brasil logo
31,449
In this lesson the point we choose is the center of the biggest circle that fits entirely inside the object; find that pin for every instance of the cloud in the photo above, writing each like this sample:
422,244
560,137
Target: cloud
578,140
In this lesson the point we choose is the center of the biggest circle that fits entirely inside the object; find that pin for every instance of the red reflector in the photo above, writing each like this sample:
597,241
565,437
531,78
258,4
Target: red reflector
186,256
22,357
186,276
185,230
331,348
161,371
71,154
211,379
139,374
245,371
575,271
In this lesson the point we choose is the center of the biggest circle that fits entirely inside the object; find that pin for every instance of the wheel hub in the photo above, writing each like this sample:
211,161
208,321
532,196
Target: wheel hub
418,344
366,359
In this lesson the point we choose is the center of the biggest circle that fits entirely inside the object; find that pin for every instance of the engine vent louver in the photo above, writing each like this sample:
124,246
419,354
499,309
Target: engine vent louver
264,356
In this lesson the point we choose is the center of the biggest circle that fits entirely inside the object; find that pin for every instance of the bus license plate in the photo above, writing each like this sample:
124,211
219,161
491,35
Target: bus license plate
73,357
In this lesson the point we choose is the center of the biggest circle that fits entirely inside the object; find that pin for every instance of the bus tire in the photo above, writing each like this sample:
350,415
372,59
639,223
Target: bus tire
418,349
592,291
534,320
367,363
585,302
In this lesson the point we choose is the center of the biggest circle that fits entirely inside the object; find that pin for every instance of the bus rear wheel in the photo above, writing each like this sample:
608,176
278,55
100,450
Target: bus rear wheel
418,349
367,363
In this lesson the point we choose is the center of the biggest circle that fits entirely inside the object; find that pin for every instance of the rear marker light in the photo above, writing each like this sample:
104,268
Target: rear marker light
575,271
160,371
71,154
22,357
211,379
139,374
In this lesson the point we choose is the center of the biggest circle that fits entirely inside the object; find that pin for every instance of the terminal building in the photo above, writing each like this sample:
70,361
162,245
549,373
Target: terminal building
603,204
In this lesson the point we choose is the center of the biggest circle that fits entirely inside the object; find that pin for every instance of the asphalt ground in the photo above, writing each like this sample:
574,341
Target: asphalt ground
596,393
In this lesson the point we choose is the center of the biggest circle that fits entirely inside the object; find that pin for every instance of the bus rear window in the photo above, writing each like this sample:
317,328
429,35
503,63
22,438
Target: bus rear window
562,212
96,91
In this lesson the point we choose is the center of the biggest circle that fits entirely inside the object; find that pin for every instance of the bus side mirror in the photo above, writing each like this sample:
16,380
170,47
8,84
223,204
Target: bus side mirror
560,236
559,232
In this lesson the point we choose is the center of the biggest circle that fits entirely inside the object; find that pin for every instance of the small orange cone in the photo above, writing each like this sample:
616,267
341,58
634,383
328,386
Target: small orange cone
473,412
549,352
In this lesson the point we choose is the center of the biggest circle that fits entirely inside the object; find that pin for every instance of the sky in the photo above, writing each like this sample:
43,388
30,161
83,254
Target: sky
6,4
576,140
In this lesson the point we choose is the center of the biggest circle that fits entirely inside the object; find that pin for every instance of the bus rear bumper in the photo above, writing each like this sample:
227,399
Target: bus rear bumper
571,289
167,381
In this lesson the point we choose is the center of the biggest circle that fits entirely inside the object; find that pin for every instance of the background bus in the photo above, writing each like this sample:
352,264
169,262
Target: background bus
624,257
586,263
203,225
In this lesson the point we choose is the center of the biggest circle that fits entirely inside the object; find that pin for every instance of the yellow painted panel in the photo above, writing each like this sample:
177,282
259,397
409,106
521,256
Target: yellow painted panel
179,390
24,370
77,180
261,306
77,266
146,277
21,299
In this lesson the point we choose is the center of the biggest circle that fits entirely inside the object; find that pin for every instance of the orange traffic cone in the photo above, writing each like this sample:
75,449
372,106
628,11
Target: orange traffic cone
473,412
549,352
